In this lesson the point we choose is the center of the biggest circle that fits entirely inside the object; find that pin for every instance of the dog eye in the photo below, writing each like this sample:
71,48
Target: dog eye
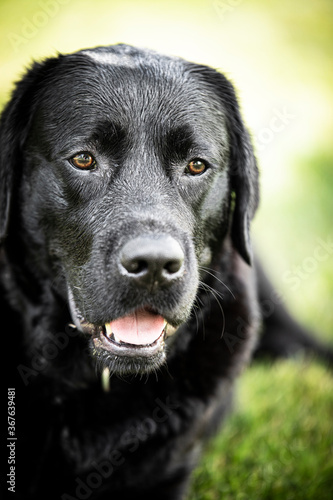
84,161
195,167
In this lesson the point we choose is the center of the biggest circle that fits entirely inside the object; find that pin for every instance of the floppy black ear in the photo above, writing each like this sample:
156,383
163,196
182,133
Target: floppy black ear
244,183
243,170
14,127
9,159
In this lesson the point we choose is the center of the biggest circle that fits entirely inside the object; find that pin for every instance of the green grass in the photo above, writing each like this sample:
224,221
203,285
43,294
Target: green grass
278,444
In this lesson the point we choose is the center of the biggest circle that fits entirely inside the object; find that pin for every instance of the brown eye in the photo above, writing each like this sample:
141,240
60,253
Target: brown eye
84,161
196,167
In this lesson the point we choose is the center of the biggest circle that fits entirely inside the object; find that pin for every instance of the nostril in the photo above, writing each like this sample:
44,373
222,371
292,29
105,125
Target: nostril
134,266
152,259
173,266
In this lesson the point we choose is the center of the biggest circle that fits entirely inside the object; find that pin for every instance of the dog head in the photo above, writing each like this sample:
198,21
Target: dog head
122,173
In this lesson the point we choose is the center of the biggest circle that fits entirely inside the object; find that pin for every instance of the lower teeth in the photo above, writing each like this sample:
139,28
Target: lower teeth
111,336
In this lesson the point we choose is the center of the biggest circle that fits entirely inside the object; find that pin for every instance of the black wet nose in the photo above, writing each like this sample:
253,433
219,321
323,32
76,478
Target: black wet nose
152,260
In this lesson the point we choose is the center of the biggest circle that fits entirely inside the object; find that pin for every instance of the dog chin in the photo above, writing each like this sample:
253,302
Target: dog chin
129,363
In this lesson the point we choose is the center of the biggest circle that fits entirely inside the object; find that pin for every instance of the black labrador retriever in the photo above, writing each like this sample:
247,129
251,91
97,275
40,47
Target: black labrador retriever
131,300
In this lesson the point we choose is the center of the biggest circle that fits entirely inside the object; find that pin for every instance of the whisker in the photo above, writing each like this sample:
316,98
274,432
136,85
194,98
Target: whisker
211,289
216,296
212,273
196,318
166,367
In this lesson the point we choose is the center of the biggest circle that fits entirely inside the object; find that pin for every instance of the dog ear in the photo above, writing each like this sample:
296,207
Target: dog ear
14,127
243,171
9,139
244,175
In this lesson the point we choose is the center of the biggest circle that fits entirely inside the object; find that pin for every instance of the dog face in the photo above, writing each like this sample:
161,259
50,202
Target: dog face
123,167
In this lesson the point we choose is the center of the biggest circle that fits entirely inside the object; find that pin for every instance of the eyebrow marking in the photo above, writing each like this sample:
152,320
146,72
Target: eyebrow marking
179,141
110,136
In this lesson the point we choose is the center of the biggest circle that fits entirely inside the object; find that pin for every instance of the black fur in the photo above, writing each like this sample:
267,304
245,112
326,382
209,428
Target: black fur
144,117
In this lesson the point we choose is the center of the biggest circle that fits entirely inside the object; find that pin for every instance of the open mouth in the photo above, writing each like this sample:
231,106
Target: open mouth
141,333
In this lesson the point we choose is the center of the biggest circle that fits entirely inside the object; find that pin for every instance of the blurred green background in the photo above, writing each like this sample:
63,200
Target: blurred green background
279,56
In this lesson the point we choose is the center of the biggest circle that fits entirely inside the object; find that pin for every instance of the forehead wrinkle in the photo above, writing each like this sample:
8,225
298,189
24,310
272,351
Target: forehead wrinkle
142,90
142,100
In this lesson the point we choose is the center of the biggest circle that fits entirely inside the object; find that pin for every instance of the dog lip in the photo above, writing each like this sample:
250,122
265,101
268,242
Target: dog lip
102,341
106,340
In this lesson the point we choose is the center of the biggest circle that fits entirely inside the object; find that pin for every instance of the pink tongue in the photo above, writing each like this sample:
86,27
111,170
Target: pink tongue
140,328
